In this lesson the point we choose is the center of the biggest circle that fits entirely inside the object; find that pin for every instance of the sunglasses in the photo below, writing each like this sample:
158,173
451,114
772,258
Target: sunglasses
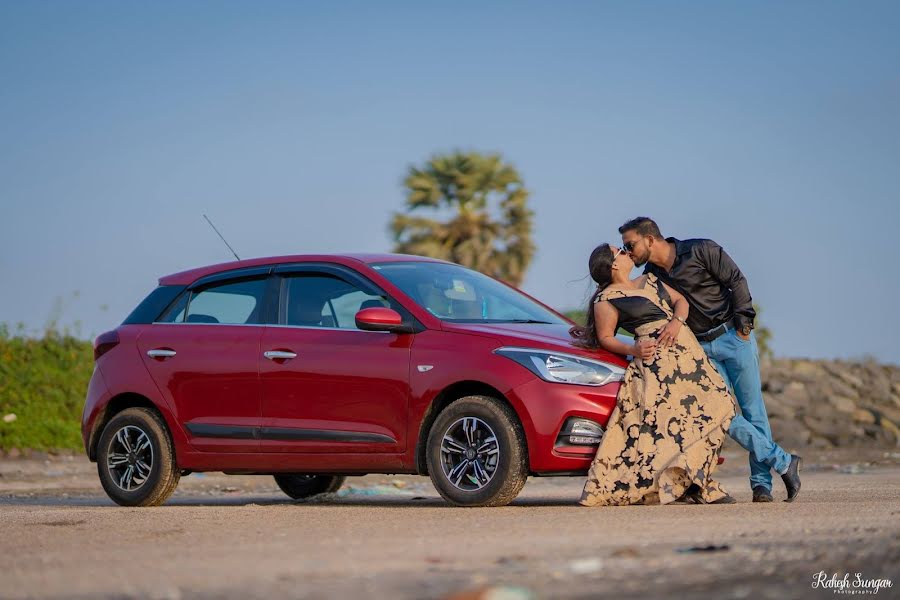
628,246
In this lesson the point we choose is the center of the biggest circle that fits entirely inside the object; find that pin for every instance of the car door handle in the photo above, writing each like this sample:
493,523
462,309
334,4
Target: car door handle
279,354
161,353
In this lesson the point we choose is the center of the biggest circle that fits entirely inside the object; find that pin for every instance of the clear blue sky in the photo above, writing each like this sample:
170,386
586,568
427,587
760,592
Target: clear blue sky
771,127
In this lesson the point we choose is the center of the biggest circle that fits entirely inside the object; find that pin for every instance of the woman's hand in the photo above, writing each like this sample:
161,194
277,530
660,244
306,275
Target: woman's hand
669,333
645,348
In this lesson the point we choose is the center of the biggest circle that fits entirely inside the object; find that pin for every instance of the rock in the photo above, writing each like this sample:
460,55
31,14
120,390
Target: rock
782,411
889,412
806,369
892,430
9,418
841,388
851,379
583,566
772,385
842,404
776,407
838,432
820,442
795,395
862,415
874,432
790,433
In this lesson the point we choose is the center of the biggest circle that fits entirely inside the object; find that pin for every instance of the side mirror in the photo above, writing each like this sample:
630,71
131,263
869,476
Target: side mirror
381,319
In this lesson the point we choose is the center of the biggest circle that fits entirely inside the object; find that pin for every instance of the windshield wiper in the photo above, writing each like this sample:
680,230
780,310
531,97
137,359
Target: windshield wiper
527,321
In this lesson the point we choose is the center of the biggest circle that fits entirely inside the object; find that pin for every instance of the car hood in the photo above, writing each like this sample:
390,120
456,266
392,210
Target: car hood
533,335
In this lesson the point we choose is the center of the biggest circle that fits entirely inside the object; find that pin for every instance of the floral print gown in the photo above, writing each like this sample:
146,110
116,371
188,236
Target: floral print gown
671,416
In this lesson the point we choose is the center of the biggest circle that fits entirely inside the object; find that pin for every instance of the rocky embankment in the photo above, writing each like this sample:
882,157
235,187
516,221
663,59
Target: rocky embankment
827,404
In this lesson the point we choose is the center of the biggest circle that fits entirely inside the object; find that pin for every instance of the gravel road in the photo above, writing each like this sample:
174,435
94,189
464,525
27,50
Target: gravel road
392,537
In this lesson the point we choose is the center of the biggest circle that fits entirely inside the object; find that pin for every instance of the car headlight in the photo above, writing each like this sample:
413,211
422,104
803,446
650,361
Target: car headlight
558,367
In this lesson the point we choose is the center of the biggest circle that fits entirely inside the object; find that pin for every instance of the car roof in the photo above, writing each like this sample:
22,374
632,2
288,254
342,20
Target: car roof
192,275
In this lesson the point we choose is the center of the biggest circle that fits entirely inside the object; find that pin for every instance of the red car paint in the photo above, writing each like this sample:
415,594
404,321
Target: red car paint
349,380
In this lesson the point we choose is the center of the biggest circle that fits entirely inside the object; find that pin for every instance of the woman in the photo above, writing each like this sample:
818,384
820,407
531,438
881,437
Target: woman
663,439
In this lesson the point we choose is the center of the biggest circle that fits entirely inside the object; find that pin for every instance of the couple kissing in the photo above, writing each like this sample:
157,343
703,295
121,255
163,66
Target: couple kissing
694,353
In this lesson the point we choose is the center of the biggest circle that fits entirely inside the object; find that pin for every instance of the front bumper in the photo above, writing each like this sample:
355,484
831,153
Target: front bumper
548,406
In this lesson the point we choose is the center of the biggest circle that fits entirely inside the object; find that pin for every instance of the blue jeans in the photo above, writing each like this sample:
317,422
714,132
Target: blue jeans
737,360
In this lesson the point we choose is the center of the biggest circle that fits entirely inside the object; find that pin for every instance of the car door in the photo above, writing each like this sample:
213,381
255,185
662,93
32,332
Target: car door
326,385
203,355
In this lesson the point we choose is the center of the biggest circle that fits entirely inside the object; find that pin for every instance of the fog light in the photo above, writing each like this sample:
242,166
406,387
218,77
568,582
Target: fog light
584,427
578,431
580,439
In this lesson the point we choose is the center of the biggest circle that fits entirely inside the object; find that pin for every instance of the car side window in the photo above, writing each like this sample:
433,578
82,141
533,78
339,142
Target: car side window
232,303
317,300
175,313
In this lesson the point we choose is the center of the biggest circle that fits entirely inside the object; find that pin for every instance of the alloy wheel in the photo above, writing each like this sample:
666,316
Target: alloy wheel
130,458
470,453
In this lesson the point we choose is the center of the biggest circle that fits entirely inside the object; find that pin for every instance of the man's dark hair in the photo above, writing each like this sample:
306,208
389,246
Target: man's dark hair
644,226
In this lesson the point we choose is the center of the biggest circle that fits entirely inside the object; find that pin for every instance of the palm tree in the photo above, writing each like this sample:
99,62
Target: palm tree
462,192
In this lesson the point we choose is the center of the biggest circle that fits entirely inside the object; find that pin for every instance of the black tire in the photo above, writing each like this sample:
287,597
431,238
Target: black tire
163,474
299,486
510,469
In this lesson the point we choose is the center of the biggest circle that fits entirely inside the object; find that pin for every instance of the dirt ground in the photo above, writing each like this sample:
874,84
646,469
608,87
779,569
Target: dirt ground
393,537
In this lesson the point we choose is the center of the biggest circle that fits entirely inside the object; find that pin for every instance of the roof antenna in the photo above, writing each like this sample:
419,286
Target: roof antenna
221,236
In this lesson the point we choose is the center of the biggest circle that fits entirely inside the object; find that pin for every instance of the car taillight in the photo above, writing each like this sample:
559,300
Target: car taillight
105,342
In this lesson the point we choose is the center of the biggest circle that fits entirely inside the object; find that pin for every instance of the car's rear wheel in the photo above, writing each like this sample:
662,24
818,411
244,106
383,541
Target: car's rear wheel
476,453
136,459
299,486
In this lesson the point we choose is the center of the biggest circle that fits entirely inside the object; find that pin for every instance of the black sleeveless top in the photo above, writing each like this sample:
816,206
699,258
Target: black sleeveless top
637,310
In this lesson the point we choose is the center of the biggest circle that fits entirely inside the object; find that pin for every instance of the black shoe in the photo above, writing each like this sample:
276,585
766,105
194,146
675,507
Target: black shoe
726,499
761,494
693,495
791,478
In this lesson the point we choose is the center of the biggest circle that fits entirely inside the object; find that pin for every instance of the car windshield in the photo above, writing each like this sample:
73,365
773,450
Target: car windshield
454,293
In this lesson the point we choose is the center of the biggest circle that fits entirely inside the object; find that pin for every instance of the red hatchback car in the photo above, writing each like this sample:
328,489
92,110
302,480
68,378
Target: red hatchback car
312,368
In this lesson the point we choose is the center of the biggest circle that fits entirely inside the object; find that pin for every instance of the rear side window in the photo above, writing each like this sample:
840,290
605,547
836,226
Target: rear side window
232,303
325,301
153,304
175,314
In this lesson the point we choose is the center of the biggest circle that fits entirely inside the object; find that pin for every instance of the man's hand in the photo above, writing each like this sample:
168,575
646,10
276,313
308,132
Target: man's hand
669,333
645,348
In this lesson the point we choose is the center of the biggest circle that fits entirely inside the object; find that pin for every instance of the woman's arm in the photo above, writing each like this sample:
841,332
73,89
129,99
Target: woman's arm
606,318
681,308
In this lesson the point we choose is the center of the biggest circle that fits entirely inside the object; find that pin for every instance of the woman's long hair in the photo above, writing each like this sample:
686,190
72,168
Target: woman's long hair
600,268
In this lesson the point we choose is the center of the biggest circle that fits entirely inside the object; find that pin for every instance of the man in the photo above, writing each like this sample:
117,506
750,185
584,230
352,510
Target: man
721,317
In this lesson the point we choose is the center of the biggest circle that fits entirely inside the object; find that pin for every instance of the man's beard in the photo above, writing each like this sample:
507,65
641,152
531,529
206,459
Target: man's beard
640,262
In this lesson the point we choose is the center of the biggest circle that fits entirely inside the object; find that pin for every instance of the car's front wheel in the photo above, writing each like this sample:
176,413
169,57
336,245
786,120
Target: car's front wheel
476,453
299,486
136,459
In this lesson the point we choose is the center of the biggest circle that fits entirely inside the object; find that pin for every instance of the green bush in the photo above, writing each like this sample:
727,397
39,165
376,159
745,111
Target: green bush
43,382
